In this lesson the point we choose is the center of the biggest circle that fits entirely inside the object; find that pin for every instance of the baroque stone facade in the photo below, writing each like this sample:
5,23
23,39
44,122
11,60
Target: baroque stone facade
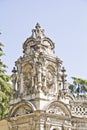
41,98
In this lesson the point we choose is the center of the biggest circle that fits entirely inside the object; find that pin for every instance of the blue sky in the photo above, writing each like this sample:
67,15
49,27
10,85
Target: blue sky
64,21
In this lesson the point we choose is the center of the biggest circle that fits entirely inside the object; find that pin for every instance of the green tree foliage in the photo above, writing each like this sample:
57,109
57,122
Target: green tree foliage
79,87
5,87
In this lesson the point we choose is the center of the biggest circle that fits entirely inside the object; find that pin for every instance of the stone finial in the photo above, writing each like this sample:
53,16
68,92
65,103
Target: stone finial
14,70
37,26
63,77
38,32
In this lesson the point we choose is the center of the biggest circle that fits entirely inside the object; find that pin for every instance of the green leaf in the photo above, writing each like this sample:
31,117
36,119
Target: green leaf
5,87
79,86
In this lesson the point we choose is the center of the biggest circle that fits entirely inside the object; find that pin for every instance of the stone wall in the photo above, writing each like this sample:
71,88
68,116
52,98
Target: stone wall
4,125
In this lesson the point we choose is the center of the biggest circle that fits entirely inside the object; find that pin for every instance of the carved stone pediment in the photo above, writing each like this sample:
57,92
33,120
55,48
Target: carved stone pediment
21,108
58,108
23,111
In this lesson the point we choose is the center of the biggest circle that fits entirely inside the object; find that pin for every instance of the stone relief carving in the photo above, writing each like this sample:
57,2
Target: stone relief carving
29,80
50,79
56,110
22,111
34,75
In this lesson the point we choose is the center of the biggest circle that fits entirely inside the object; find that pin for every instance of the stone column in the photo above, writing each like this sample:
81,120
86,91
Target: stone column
21,85
44,76
14,81
41,127
39,77
55,84
32,81
37,126
44,83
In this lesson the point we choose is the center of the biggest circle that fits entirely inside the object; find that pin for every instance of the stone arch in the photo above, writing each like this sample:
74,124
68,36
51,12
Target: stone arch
51,44
22,108
70,97
58,108
28,41
28,45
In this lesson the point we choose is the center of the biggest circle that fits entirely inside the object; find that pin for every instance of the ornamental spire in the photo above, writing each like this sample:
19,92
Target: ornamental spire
37,25
38,32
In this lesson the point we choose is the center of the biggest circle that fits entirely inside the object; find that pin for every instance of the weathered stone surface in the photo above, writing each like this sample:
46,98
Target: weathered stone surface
41,98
